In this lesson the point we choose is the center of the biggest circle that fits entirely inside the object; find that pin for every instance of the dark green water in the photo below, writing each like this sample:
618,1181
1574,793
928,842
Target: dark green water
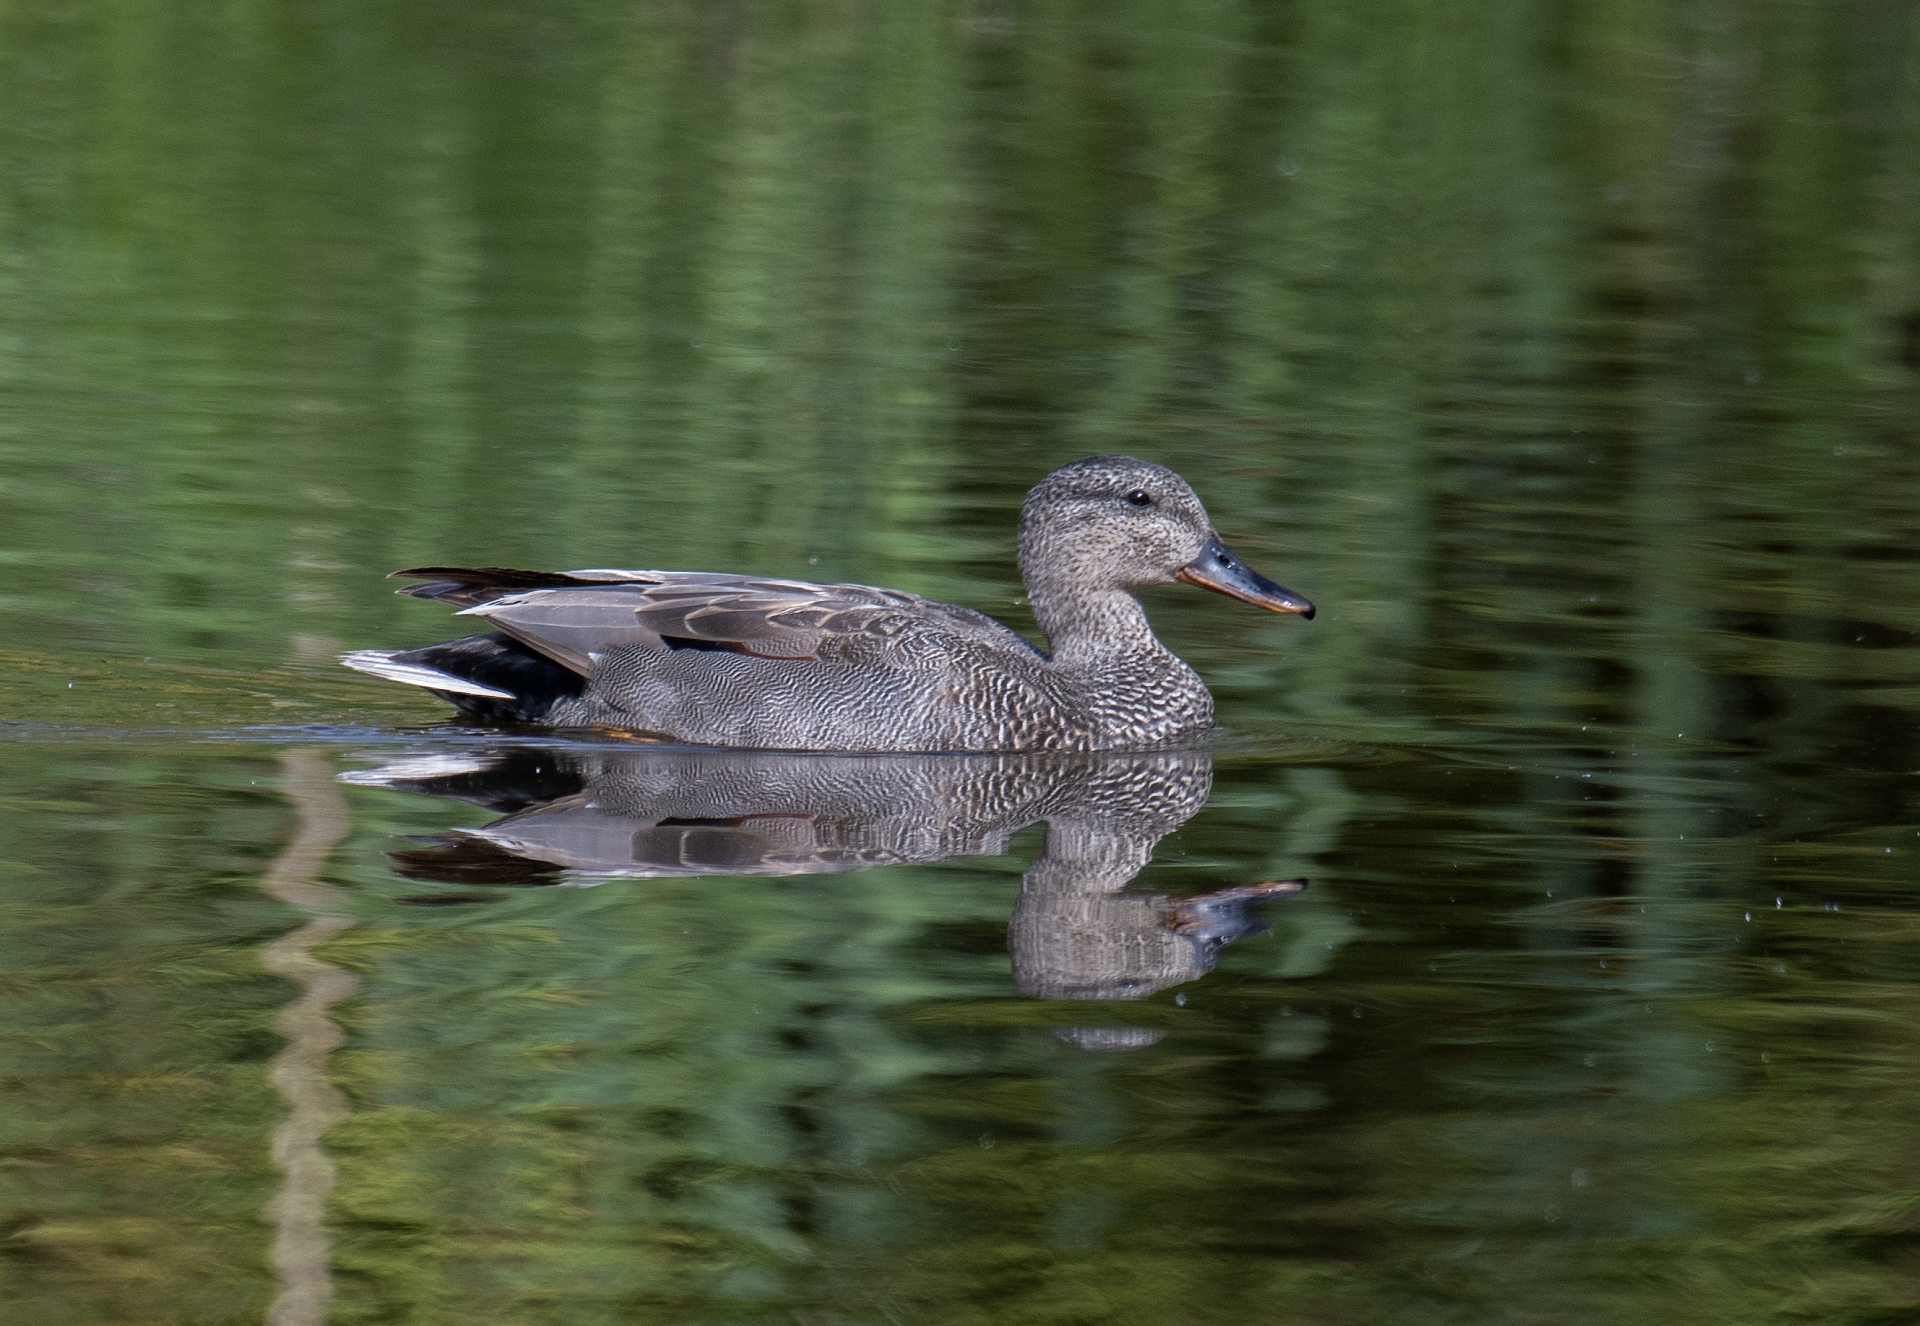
1567,355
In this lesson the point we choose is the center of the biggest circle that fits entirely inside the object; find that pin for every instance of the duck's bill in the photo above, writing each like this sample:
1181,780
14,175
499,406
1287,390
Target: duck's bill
1218,569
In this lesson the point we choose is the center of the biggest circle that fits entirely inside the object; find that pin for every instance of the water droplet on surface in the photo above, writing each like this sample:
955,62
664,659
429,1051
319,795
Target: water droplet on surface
986,1141
1181,999
1579,1177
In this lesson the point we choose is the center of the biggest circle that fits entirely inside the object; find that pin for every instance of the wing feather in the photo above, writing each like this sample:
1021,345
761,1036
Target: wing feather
571,616
468,585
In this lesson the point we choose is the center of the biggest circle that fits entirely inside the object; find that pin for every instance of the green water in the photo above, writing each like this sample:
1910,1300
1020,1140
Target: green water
1568,356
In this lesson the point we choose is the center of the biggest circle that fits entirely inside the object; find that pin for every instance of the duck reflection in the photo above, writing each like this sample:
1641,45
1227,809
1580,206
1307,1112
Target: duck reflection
580,815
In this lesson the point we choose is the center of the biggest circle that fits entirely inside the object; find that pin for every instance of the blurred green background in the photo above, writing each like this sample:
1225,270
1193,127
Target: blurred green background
1567,355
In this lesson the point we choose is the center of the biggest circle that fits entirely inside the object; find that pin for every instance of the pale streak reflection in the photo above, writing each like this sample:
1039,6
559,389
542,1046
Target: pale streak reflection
300,1244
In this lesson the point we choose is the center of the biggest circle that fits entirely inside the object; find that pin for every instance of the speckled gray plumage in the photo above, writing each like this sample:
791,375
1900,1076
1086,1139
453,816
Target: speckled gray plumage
662,811
741,661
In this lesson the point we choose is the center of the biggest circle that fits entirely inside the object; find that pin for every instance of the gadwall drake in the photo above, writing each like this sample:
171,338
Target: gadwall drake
728,660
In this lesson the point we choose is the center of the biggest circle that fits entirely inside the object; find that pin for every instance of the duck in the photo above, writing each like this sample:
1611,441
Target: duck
713,659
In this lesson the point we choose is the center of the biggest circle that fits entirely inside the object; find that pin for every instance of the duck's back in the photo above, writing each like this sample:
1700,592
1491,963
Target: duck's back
775,664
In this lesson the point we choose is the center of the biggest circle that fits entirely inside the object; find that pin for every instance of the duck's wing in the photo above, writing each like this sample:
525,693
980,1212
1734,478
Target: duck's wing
572,616
576,834
470,585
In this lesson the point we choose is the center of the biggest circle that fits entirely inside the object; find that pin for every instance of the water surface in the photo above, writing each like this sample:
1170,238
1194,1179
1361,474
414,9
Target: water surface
1566,357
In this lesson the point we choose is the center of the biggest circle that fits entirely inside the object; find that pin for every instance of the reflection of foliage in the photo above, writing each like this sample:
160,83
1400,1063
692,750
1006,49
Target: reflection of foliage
650,1073
694,1100
1462,309
1565,355
137,1027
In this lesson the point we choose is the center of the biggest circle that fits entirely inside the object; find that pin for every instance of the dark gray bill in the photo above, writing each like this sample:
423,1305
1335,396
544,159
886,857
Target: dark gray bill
1216,568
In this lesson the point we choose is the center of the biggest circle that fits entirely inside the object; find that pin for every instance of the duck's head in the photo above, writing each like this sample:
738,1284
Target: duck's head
1113,522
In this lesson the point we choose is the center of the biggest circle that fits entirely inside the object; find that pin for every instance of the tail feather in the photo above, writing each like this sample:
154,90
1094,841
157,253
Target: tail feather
489,676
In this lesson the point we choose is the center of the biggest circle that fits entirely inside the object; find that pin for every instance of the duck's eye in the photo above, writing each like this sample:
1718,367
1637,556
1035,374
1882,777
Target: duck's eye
1140,497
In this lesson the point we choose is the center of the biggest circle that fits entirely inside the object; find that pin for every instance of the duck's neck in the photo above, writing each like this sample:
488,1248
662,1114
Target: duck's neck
1090,855
1086,628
